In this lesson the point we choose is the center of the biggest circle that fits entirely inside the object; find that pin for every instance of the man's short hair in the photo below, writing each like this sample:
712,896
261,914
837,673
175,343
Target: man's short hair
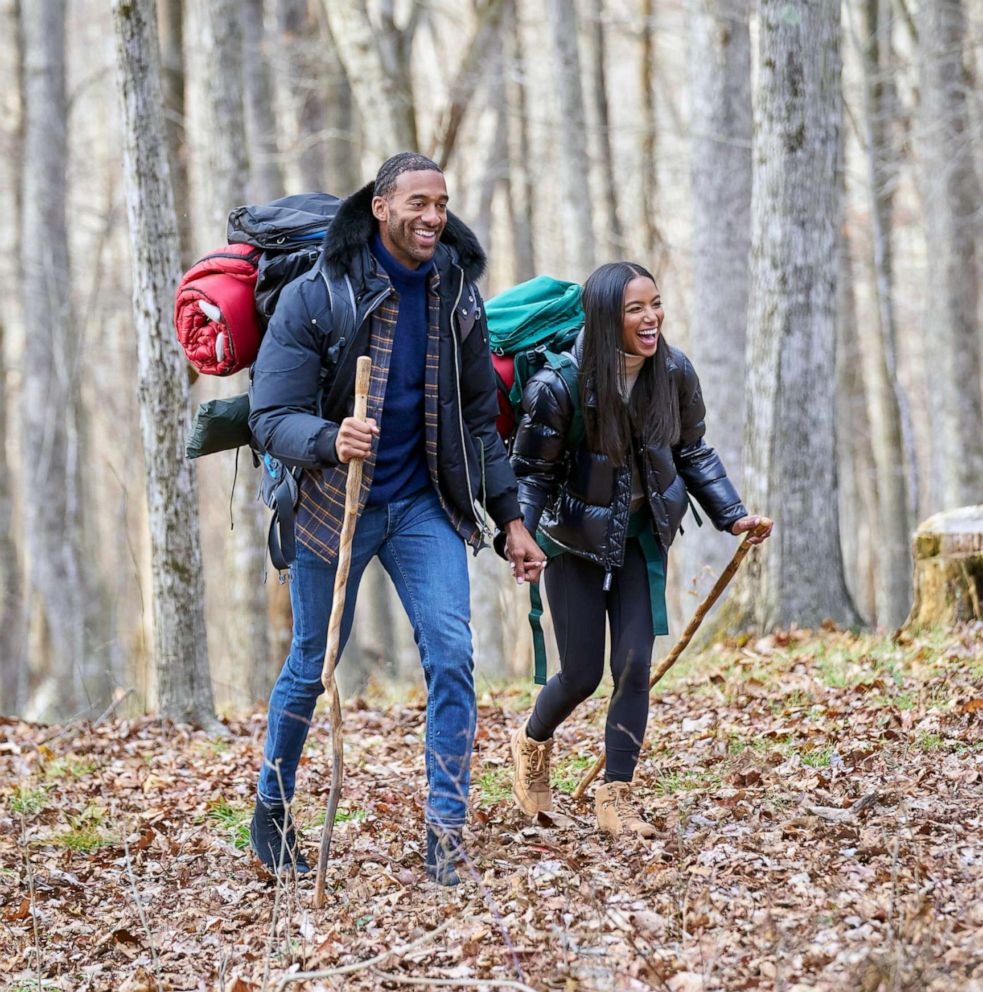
393,168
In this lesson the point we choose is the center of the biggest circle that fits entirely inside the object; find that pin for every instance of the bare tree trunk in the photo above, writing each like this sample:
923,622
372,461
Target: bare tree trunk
12,669
494,160
789,466
300,85
877,354
12,680
221,171
615,239
266,176
577,223
483,47
522,198
951,197
376,616
653,245
184,686
720,173
50,371
858,507
488,621
376,63
344,173
170,16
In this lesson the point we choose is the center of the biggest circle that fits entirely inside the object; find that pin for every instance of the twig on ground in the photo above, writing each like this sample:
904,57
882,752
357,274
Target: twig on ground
835,814
347,969
278,876
154,960
454,983
33,896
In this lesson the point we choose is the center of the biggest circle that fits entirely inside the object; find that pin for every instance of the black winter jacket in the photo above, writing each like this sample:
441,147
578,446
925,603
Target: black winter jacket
303,379
580,500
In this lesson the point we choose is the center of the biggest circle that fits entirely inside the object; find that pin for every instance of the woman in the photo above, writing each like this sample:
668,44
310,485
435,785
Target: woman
604,477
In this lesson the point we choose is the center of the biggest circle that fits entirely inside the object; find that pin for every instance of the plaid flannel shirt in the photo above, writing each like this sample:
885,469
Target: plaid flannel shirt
321,510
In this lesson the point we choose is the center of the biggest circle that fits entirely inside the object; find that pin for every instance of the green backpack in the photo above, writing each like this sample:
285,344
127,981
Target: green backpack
530,326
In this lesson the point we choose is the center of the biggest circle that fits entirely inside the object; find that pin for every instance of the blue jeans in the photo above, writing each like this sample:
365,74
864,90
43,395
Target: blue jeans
427,561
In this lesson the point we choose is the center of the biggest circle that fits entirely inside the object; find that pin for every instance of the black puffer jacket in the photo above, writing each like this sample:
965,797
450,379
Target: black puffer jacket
321,326
580,499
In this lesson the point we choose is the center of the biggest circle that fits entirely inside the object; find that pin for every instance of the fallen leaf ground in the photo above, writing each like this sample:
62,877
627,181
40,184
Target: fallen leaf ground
819,799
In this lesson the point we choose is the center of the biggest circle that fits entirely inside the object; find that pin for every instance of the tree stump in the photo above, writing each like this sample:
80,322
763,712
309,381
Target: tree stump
948,580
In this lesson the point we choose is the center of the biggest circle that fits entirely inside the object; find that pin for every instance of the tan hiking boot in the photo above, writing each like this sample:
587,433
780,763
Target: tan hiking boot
617,812
531,781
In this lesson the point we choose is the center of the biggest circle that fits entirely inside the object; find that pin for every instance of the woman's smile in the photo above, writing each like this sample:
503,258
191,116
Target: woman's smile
643,316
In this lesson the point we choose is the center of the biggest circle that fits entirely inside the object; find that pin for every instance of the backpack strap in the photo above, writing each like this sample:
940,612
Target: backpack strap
566,368
280,492
538,639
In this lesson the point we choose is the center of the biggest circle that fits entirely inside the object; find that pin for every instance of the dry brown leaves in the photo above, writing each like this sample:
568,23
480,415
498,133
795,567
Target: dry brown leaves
818,798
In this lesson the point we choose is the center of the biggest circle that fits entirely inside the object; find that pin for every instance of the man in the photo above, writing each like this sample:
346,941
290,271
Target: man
395,282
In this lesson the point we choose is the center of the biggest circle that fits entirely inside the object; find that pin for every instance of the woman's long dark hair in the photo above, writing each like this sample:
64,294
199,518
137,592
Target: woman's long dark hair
653,411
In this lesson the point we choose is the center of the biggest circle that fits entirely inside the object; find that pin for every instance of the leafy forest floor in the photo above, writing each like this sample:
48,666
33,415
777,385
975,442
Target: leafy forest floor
819,798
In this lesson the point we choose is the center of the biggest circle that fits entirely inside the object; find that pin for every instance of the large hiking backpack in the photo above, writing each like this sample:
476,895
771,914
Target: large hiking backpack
529,326
223,306
226,299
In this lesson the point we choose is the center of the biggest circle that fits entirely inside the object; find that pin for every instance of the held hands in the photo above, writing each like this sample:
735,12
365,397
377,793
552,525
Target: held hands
757,528
354,438
524,554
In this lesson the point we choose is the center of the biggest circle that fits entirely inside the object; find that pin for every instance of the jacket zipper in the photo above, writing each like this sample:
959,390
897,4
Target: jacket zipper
460,402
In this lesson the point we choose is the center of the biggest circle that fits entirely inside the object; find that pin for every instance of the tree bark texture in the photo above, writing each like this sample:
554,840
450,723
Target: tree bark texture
341,141
877,351
494,158
522,198
857,493
380,83
12,668
180,654
484,46
948,581
50,367
576,218
951,197
615,238
266,176
170,17
12,681
720,175
236,564
653,245
798,577
299,83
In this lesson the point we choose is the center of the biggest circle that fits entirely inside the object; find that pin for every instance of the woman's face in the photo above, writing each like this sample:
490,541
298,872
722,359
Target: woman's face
643,316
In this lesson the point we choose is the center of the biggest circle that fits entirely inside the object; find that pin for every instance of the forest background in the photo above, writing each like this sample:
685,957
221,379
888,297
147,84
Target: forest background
803,178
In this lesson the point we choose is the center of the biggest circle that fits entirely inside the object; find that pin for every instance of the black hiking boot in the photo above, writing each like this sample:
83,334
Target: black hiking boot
444,853
266,839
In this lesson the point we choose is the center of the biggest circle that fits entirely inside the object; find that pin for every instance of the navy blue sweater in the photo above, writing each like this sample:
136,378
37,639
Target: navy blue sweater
401,461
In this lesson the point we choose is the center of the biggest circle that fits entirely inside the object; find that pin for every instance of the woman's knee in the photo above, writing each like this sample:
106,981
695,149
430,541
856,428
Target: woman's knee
580,683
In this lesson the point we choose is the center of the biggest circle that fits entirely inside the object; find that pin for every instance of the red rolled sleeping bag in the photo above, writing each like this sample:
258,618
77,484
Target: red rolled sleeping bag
215,315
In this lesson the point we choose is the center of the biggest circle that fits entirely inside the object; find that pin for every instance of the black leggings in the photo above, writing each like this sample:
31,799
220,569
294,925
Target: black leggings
578,603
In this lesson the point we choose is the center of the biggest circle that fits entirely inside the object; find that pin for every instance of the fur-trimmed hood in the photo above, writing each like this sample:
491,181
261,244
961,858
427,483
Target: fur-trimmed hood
353,226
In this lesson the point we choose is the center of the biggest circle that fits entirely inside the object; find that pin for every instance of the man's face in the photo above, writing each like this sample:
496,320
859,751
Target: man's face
413,216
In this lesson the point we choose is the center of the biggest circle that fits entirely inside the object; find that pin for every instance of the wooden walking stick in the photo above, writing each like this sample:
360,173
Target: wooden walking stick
670,659
363,369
